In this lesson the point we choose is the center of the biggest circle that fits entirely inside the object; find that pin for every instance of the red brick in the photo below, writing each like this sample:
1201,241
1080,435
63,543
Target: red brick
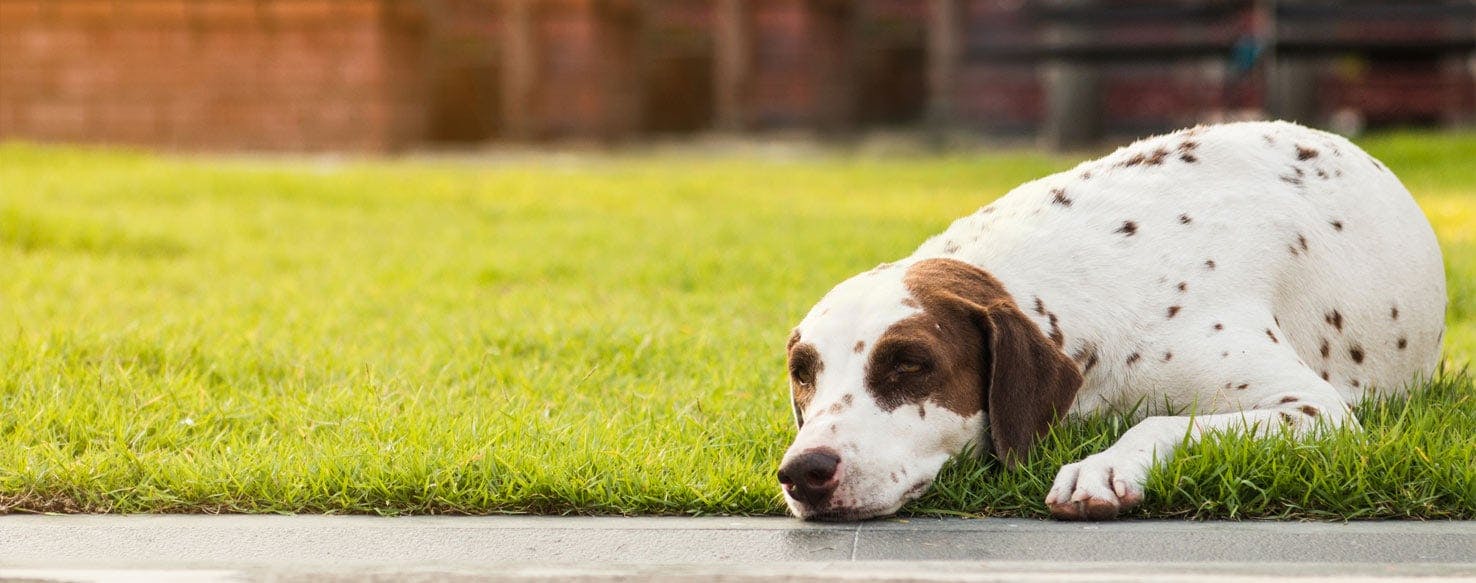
214,14
58,120
86,80
16,14
128,123
155,11
9,118
353,11
94,12
53,44
290,13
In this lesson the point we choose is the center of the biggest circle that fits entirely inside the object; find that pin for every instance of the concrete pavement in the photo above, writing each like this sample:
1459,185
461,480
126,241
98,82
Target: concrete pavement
503,548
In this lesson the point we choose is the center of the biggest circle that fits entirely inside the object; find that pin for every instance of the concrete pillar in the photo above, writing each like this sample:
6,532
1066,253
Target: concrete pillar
945,53
732,62
519,69
1291,90
1291,81
1073,91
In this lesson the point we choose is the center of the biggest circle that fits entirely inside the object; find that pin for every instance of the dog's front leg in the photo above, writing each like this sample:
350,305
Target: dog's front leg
1104,484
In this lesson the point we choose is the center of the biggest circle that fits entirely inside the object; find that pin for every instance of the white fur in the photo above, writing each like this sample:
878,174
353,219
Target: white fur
1252,196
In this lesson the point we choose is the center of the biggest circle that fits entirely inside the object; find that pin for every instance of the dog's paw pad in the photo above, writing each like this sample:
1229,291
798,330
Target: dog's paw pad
1089,509
1098,488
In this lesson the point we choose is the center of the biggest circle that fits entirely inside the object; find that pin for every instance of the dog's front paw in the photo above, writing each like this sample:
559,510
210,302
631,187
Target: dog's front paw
1097,488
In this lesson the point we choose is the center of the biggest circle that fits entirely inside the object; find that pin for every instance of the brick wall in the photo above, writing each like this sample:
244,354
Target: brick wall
379,75
212,74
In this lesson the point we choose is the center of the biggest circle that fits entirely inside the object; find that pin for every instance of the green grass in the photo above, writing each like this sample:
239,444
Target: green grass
596,335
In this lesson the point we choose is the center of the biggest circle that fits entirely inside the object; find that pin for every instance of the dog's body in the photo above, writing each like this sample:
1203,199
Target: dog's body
1256,273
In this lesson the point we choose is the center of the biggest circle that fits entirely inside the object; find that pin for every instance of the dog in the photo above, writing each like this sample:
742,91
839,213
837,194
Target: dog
1257,276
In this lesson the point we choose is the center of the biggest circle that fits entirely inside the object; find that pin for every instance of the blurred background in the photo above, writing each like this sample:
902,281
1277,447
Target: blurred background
391,75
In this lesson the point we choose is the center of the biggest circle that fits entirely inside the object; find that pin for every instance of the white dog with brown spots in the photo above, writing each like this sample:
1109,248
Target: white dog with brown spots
1259,275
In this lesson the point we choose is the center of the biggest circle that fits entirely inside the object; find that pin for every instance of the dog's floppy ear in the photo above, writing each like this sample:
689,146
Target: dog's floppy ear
1027,381
1031,383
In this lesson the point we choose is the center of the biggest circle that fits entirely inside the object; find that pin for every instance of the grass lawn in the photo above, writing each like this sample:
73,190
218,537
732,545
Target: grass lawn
595,335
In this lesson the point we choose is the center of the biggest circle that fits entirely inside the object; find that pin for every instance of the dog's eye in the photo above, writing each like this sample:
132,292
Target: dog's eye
909,367
802,377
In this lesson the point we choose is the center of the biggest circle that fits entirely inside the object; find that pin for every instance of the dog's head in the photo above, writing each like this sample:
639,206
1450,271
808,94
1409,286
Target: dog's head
898,369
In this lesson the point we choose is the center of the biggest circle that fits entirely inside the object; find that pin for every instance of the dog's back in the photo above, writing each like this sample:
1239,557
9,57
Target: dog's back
1159,261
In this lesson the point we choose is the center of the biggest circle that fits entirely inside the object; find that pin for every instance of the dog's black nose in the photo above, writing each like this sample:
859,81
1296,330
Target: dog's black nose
810,476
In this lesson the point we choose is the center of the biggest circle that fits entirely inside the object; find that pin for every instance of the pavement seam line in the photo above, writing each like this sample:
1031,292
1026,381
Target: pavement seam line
855,542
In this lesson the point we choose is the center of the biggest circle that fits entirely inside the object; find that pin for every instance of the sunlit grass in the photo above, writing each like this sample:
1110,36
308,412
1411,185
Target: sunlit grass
595,335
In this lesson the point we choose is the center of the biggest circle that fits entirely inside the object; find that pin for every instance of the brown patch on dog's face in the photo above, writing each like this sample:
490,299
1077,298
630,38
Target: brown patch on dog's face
928,357
804,368
971,349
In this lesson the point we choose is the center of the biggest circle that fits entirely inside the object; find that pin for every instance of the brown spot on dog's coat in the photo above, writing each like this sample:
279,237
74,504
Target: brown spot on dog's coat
1394,313
1336,225
1133,358
1308,410
860,346
1335,318
1128,228
950,247
1219,326
1141,158
1156,158
1325,376
1183,286
1056,335
1272,336
1326,348
1086,356
1058,196
1304,153
1242,386
1039,306
1302,241
1210,263
1285,400
1186,151
1356,352
1173,311
1184,219
1403,343
1167,356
